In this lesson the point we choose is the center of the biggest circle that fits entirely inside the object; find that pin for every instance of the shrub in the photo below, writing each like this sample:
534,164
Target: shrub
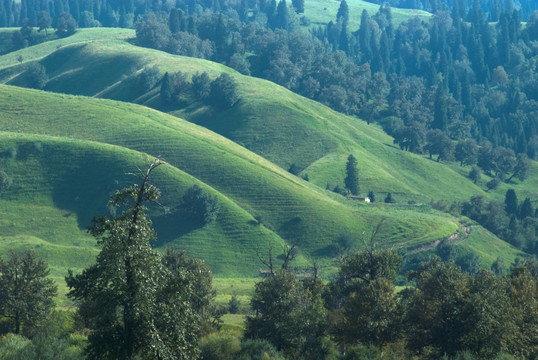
37,76
258,349
224,92
200,205
219,346
4,181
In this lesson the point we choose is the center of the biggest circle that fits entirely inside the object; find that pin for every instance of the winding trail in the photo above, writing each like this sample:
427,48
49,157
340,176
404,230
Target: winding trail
455,238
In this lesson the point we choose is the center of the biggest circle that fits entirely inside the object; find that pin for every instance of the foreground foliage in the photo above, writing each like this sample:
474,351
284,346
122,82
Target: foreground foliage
135,306
26,292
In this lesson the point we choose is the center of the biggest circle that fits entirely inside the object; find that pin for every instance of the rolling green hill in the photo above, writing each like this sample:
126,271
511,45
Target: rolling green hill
269,120
295,210
284,128
321,12
57,185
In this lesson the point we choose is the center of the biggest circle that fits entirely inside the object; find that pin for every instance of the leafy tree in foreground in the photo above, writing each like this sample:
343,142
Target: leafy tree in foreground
370,311
135,306
352,175
26,294
195,275
288,314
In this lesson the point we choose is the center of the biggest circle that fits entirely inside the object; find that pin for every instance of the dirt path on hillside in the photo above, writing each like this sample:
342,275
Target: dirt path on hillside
455,238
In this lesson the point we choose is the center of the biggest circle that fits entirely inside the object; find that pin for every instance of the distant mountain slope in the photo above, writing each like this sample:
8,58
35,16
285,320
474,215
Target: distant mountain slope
57,185
269,120
321,12
297,211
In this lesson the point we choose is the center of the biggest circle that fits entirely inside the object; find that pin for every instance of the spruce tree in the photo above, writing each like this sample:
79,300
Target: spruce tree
352,176
343,12
282,16
526,209
440,116
510,202
167,89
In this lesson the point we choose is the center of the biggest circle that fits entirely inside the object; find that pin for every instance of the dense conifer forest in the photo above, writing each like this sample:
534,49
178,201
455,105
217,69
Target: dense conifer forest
469,72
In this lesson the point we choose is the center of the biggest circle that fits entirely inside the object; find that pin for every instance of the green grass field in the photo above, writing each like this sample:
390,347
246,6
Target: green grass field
320,12
88,145
295,210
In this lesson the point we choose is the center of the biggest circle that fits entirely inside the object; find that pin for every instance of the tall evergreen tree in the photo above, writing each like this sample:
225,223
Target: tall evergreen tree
526,209
343,12
440,116
352,176
364,36
167,89
282,16
511,205
298,5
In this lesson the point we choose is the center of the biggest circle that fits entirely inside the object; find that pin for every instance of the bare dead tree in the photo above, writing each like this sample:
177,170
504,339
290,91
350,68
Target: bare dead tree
290,253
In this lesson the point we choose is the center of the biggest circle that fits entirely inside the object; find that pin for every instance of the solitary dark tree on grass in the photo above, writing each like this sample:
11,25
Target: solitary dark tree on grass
37,76
475,174
224,92
65,25
352,175
201,206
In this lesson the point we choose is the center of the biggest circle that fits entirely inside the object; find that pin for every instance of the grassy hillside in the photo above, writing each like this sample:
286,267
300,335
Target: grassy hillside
297,211
320,12
283,127
67,182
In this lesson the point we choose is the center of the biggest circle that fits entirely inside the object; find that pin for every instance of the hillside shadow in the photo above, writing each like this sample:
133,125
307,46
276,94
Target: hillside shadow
172,226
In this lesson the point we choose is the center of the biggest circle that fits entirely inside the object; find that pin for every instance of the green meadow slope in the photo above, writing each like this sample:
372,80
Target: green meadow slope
57,185
269,120
296,211
320,12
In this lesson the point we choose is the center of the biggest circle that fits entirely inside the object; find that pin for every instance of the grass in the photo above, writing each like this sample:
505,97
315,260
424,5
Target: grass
284,128
300,131
295,210
320,12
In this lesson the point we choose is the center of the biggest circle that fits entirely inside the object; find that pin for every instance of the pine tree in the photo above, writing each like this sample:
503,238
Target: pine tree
510,202
364,36
440,116
174,20
298,5
526,209
167,89
343,12
352,176
282,16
